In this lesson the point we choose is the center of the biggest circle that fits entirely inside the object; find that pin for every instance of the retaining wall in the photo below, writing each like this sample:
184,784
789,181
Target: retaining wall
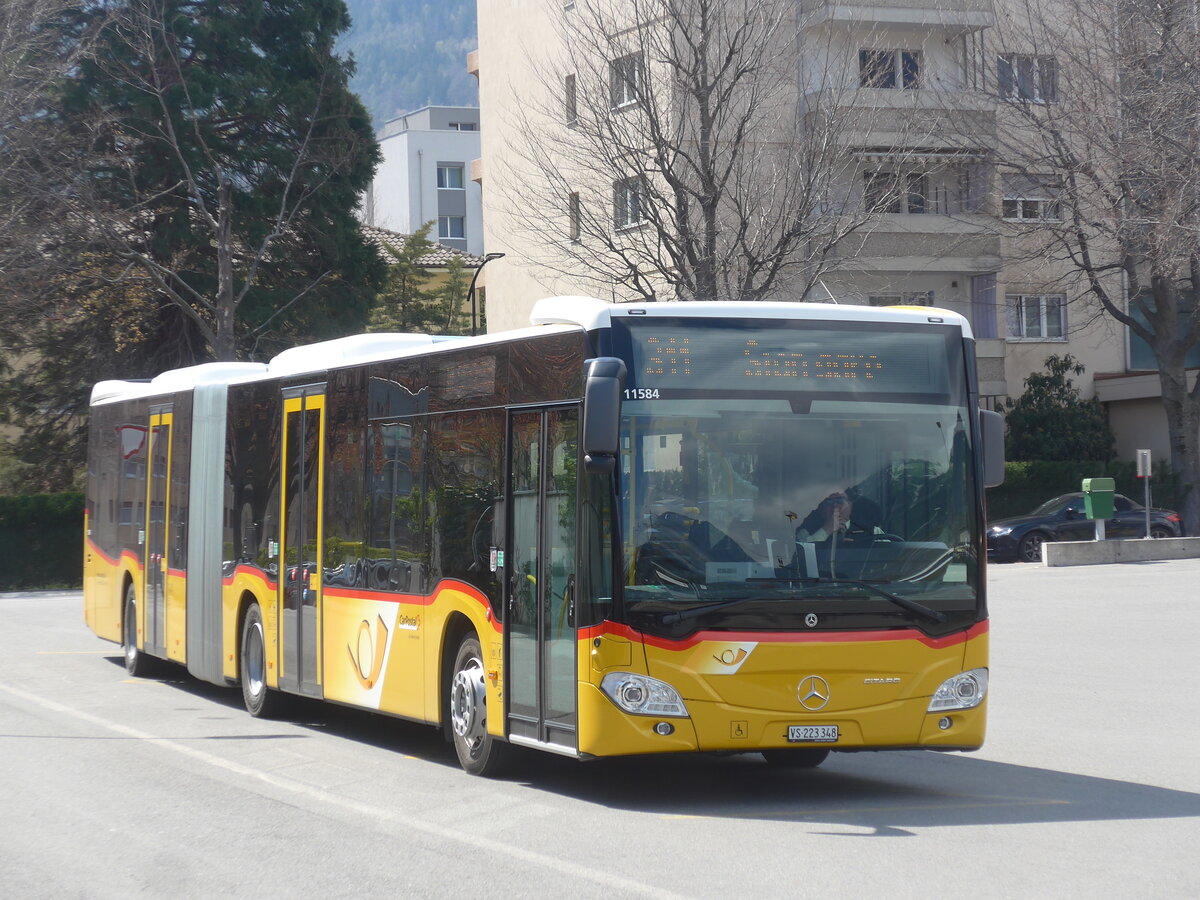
1091,553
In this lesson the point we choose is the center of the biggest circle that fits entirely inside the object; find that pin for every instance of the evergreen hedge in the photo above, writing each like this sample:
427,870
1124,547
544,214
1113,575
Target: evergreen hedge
1028,484
41,541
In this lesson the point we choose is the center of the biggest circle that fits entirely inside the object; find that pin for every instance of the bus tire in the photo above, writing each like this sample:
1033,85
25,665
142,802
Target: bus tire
137,663
261,702
479,753
795,757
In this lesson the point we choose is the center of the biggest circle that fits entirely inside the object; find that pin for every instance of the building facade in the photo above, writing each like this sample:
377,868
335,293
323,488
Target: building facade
926,90
425,177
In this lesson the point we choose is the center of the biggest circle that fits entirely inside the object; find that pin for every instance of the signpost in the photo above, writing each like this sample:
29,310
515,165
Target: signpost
1143,471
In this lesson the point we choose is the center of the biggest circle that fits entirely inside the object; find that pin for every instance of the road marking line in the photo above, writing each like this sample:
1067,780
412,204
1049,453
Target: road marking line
111,652
605,879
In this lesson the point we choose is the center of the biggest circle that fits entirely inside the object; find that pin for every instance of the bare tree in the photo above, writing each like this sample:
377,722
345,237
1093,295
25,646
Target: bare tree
674,156
34,162
1105,97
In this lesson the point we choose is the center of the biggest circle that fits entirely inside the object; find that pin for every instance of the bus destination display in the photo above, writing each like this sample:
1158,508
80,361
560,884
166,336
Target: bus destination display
691,356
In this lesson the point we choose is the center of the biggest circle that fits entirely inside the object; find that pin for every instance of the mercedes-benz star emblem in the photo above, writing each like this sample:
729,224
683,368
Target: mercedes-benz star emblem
811,620
813,692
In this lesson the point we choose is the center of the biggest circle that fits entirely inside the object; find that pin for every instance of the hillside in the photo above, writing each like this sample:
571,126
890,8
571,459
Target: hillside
411,53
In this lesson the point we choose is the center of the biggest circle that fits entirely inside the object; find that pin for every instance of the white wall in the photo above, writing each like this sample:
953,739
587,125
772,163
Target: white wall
404,192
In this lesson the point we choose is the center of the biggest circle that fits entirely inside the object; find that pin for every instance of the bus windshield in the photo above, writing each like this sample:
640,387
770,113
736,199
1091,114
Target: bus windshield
778,475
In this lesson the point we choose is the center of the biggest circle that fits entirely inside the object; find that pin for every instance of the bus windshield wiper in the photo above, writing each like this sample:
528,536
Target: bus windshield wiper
911,605
672,618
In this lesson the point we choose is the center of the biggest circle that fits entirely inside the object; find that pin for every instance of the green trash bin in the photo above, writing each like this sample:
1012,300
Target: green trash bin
1098,497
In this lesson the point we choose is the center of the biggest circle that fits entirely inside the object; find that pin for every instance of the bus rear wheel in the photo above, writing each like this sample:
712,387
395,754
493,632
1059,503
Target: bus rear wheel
795,757
261,702
137,663
479,753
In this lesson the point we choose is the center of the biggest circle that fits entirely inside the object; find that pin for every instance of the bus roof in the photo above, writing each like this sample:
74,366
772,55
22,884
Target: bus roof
174,380
566,312
589,312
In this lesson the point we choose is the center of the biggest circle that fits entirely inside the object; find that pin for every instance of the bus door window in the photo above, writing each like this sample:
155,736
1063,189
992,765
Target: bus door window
302,557
542,573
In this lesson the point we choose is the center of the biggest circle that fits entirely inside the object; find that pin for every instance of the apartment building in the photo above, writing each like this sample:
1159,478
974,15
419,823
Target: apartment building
922,88
425,177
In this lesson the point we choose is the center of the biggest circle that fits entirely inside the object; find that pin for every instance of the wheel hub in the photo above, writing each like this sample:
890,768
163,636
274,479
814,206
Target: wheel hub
468,702
254,662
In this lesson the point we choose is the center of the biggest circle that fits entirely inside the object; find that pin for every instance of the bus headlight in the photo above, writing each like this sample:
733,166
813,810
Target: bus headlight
964,691
642,695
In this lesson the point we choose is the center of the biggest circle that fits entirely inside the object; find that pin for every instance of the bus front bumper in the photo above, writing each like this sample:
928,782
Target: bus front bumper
716,727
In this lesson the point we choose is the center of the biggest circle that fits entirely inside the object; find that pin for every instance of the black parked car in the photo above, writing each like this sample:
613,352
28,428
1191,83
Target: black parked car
1063,519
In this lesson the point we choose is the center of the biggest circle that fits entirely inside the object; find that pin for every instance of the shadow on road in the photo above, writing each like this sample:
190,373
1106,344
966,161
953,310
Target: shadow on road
886,794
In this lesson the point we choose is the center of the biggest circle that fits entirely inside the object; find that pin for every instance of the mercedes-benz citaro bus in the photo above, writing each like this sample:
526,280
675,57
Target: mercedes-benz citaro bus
628,529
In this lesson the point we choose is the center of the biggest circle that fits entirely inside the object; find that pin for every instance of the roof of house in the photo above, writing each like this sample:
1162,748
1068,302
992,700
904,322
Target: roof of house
438,257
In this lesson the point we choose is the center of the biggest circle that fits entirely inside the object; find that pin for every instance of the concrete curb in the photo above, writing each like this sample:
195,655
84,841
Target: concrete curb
1094,553
34,595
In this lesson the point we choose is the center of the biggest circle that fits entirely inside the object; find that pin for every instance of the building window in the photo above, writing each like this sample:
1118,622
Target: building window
464,126
889,68
1031,199
1029,78
1040,317
569,102
450,177
629,202
886,192
626,78
451,227
573,217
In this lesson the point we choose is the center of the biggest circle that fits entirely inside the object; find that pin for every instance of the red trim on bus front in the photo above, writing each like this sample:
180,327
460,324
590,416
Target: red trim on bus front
786,637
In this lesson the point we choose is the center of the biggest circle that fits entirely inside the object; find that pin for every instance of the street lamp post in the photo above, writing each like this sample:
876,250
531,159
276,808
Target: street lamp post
471,291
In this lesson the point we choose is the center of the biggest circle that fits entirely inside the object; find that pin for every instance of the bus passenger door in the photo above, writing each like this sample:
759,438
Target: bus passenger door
540,577
300,546
158,505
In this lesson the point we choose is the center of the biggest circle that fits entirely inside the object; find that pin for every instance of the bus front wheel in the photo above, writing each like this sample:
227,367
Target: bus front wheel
261,702
479,753
137,663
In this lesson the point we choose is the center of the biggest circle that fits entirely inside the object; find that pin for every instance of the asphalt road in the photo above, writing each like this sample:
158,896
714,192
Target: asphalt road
1088,786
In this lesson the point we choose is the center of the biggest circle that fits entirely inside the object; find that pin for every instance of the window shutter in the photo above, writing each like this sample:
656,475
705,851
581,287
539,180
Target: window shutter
1048,78
1004,76
1012,315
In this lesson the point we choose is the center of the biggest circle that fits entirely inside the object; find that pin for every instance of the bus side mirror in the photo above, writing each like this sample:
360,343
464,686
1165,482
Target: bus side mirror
991,429
602,413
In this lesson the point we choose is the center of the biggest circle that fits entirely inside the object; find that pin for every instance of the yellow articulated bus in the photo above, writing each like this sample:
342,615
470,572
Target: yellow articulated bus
627,529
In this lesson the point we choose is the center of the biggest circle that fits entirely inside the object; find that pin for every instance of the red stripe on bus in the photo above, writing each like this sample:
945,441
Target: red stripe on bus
133,559
448,584
251,572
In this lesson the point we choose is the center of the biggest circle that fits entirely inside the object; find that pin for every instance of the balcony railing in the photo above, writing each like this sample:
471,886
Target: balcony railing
955,15
875,117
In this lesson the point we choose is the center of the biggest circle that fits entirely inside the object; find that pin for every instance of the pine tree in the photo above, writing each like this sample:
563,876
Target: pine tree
405,302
